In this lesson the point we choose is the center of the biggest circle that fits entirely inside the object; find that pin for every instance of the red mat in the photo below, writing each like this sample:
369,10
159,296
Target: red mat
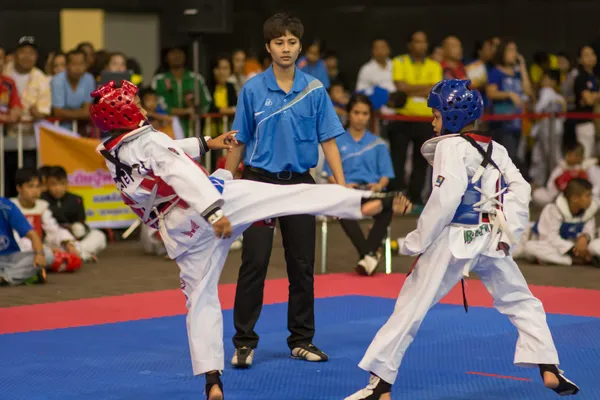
582,302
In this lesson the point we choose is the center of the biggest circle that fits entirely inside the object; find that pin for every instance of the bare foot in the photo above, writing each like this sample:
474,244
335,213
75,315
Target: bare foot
216,394
386,396
371,208
550,380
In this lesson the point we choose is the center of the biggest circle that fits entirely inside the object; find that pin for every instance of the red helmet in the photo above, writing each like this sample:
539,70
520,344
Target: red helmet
115,108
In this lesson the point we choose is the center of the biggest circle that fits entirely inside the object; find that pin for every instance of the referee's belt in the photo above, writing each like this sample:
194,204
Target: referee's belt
282,176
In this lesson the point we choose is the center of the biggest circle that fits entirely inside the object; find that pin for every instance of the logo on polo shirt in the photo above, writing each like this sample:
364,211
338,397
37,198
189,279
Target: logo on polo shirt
268,103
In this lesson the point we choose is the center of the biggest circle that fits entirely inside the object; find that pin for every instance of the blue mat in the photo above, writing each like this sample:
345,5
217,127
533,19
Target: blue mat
149,359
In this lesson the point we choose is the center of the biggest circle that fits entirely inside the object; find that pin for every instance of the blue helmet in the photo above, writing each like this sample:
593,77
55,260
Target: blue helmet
458,104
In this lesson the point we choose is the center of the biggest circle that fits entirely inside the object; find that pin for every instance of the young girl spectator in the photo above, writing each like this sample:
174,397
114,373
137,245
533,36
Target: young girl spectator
508,89
238,63
367,165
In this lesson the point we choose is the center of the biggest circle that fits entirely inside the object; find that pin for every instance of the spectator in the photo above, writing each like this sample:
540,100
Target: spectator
116,62
587,95
71,90
564,65
378,71
134,66
367,165
332,63
43,173
339,98
17,267
414,75
477,71
57,239
238,62
156,114
312,63
176,88
33,86
542,61
508,89
549,100
100,60
437,54
55,64
452,65
223,92
10,104
88,49
69,211
572,165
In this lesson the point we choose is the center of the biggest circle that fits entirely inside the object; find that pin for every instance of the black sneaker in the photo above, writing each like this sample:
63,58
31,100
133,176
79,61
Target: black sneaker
374,390
212,380
309,352
243,356
565,387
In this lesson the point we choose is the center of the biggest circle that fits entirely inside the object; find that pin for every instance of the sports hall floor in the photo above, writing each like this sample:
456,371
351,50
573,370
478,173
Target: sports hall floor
116,330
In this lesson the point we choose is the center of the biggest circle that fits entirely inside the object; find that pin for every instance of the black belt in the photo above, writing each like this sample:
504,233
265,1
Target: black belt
282,176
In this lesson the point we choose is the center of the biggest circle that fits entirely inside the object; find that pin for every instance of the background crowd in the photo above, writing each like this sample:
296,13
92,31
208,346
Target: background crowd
40,84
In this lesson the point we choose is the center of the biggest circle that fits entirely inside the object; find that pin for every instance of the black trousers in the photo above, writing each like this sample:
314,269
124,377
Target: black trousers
299,235
402,133
372,242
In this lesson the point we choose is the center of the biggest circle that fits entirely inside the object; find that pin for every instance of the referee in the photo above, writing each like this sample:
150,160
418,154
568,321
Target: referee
282,115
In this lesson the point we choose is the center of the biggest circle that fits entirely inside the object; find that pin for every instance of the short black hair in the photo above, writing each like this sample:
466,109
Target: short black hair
44,170
74,53
357,98
577,186
81,45
571,146
276,26
541,58
58,172
146,91
26,175
413,33
553,74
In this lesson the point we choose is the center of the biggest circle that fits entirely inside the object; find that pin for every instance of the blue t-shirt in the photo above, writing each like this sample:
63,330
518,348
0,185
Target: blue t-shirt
63,96
282,131
506,83
364,161
11,219
318,70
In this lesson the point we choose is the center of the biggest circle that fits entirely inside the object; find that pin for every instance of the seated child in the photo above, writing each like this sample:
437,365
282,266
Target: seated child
367,165
565,234
572,166
339,98
19,267
64,255
69,211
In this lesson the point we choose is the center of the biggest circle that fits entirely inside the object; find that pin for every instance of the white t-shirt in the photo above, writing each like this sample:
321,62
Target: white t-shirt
21,80
372,74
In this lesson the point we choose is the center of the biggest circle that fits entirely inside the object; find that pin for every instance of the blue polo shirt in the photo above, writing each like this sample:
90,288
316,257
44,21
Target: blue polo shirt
63,96
364,161
11,219
282,131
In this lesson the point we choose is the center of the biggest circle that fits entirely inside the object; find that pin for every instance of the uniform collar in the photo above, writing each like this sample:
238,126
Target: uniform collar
299,80
479,136
114,141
